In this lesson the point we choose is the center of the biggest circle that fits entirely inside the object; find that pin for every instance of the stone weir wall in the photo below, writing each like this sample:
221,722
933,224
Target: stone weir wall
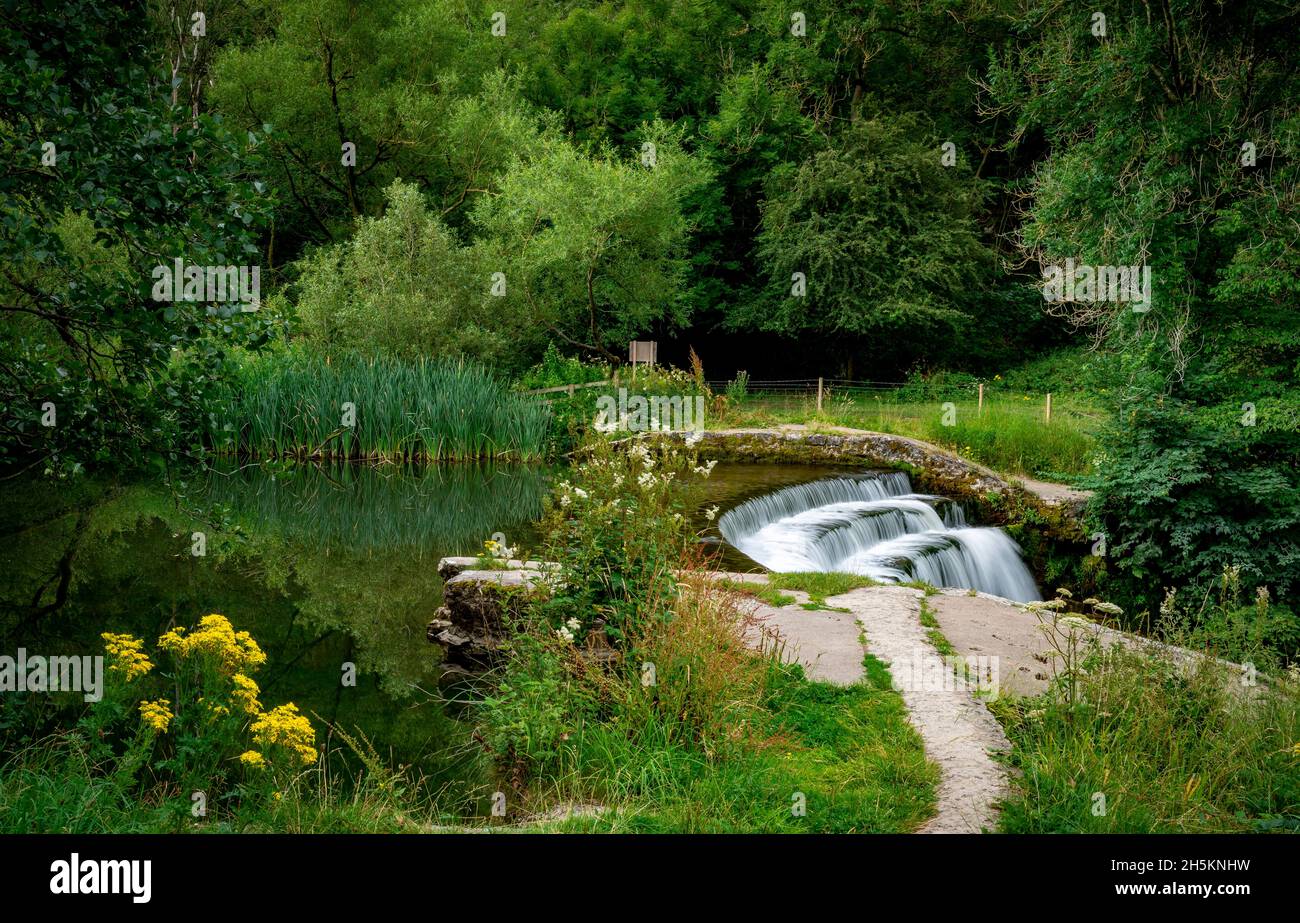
931,469
473,623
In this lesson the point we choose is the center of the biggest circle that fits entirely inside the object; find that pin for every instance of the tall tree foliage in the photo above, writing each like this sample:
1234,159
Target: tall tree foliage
872,239
1173,144
103,179
591,250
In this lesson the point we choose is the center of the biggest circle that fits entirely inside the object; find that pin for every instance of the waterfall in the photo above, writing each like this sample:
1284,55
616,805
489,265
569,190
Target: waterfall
874,525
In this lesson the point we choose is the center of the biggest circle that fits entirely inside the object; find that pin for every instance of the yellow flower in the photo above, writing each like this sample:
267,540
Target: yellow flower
245,694
283,726
252,759
128,655
215,711
172,641
157,715
235,652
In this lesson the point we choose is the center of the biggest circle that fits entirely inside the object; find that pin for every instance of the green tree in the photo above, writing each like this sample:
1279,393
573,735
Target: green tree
1173,144
413,87
591,249
103,179
402,284
884,237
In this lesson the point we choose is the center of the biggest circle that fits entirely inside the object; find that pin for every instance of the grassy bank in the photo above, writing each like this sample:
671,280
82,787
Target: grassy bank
1009,435
643,687
59,784
183,739
1127,741
1145,748
831,759
302,405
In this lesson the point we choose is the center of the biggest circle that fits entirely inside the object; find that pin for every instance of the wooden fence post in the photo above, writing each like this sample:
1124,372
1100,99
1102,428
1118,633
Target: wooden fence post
1049,406
819,394
980,411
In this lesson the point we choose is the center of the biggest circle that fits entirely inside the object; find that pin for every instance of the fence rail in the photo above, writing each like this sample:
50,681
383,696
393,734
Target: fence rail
820,393
571,388
823,393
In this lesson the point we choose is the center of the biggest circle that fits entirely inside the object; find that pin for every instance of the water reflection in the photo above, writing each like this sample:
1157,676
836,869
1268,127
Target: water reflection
323,566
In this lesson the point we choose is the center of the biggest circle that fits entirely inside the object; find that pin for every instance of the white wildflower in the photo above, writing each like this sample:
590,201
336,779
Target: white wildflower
710,513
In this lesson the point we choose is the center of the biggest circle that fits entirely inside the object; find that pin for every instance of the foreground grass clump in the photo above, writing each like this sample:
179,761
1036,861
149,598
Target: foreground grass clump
648,691
1129,743
303,405
825,759
181,741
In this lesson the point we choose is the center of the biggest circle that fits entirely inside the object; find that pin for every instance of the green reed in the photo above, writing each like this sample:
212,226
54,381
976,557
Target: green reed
296,405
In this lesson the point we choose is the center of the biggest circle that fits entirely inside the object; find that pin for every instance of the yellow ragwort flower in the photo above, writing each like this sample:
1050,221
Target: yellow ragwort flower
128,655
157,715
235,652
285,727
245,694
252,759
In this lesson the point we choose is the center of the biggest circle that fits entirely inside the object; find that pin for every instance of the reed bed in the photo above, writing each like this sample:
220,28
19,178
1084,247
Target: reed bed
305,406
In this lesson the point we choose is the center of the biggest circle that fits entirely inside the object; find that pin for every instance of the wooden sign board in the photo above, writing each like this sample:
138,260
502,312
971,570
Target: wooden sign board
643,352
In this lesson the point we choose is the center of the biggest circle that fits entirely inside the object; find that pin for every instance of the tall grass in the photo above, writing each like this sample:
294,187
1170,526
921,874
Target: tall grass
1129,743
294,405
1008,434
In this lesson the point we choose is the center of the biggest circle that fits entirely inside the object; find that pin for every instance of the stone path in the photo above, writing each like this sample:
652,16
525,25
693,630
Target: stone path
958,731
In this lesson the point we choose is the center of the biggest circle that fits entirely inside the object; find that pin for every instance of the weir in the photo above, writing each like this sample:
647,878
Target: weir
876,526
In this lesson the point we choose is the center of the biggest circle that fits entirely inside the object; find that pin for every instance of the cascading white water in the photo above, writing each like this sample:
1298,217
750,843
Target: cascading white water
874,525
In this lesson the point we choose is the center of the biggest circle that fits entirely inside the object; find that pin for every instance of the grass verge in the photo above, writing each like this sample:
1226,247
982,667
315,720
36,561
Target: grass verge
834,759
1144,747
817,585
1011,437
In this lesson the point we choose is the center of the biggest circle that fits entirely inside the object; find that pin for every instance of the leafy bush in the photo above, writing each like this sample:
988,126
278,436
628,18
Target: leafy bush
940,385
617,531
404,287
556,369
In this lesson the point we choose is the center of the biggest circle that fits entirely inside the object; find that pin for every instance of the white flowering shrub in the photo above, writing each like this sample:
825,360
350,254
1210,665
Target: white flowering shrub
617,529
